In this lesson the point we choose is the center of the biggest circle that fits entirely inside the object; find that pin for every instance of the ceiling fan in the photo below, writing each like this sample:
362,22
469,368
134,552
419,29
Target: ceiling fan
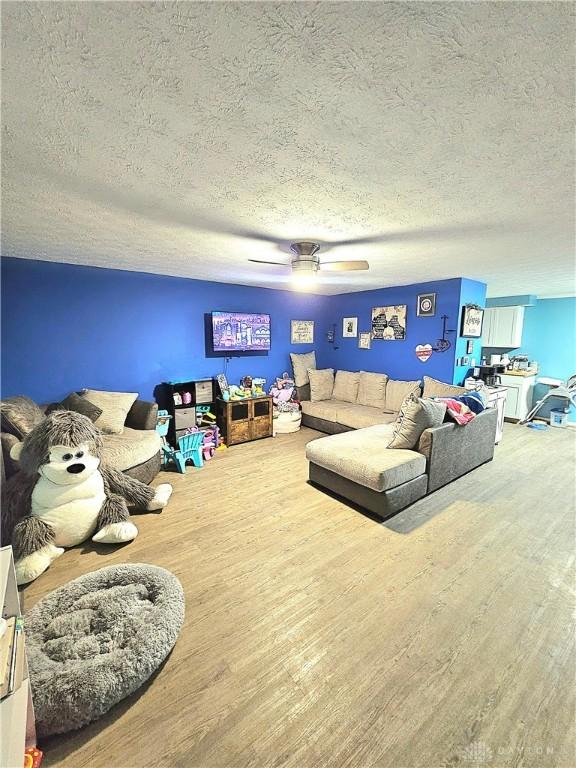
306,262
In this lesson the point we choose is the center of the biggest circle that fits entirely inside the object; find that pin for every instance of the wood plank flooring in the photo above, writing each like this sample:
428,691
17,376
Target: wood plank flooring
316,636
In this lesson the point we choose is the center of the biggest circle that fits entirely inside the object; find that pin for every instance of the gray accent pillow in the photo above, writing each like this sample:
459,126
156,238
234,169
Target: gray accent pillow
416,415
397,391
321,384
436,388
74,402
20,415
301,364
114,407
346,386
372,390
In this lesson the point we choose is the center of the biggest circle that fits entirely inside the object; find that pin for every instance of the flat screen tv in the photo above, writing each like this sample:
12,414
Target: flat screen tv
240,332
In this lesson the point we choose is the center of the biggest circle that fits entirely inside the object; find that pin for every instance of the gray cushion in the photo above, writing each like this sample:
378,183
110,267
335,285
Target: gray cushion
75,402
415,416
372,390
362,456
397,390
321,383
346,386
360,416
20,415
301,363
436,388
132,447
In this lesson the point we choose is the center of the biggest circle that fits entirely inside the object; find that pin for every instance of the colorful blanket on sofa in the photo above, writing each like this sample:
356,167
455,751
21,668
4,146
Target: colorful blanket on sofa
463,408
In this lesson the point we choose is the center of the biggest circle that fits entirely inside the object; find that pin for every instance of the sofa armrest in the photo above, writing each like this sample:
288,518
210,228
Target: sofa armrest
142,415
451,450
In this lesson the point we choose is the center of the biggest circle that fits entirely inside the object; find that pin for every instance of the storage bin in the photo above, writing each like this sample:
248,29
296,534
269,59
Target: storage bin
558,417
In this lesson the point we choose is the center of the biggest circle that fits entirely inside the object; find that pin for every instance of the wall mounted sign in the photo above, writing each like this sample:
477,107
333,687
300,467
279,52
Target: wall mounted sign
426,306
424,352
470,348
389,323
364,340
302,331
472,316
350,327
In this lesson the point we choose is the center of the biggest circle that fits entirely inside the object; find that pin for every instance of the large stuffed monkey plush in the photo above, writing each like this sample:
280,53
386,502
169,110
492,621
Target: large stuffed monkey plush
65,494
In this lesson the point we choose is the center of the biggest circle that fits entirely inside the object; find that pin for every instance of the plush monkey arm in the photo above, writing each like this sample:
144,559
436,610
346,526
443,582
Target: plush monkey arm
114,525
135,492
34,550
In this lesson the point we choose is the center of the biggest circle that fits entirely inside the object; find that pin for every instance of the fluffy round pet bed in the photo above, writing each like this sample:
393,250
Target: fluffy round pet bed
95,640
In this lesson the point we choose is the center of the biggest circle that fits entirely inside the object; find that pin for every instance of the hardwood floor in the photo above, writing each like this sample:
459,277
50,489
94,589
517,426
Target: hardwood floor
316,636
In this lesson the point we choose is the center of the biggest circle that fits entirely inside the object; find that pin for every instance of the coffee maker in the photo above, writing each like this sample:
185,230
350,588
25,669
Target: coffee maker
490,374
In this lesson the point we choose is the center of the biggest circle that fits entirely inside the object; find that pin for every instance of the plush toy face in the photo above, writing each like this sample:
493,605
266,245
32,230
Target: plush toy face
69,466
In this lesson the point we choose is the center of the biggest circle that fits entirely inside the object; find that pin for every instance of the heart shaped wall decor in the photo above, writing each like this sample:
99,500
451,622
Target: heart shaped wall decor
423,352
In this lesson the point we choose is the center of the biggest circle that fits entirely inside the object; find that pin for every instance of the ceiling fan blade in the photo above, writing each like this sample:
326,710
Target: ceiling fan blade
343,266
275,263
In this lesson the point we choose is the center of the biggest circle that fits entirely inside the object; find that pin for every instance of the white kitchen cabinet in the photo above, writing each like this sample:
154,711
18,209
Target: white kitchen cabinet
503,327
497,399
519,397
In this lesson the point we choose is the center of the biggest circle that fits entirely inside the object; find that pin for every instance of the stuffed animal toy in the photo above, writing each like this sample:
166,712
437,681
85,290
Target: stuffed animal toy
64,494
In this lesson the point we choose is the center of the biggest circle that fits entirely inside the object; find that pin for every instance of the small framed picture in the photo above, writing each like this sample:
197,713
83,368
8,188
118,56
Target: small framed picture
472,316
469,347
302,331
350,327
426,305
364,340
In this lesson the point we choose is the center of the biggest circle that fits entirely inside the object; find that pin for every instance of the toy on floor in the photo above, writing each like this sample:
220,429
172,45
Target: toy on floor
204,417
64,494
189,449
283,393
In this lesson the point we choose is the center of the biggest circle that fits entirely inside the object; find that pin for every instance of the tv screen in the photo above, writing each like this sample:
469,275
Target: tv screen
240,332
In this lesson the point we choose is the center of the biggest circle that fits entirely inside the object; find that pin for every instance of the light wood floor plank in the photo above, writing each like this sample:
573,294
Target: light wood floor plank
317,636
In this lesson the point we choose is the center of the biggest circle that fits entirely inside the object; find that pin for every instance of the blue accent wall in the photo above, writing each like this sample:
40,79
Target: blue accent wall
549,336
66,327
397,358
471,292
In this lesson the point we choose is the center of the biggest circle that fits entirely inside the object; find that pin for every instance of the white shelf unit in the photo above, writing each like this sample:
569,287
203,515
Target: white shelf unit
17,731
503,327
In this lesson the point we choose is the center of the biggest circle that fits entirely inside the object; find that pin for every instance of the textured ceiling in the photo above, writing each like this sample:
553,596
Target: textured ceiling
184,138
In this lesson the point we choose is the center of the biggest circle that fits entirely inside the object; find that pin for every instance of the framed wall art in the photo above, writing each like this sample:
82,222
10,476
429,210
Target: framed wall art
302,331
472,316
364,339
350,327
389,323
426,306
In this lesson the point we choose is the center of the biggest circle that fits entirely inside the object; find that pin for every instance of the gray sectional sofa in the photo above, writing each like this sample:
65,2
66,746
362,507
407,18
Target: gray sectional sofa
354,461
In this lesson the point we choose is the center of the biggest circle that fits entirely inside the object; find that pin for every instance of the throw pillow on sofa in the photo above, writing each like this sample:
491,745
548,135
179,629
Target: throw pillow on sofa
436,388
301,364
20,415
78,404
416,415
114,406
321,383
346,386
372,390
397,391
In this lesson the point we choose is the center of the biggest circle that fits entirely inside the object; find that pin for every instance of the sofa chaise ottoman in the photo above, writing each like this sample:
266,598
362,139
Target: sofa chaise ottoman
359,466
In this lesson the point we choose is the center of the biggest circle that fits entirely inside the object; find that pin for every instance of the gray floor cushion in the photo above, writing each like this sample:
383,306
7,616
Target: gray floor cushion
95,640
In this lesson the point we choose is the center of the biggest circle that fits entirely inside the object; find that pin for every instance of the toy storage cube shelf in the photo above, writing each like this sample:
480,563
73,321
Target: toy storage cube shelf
202,392
243,420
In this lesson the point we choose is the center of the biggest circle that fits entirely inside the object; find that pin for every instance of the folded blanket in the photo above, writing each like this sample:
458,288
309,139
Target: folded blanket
457,410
